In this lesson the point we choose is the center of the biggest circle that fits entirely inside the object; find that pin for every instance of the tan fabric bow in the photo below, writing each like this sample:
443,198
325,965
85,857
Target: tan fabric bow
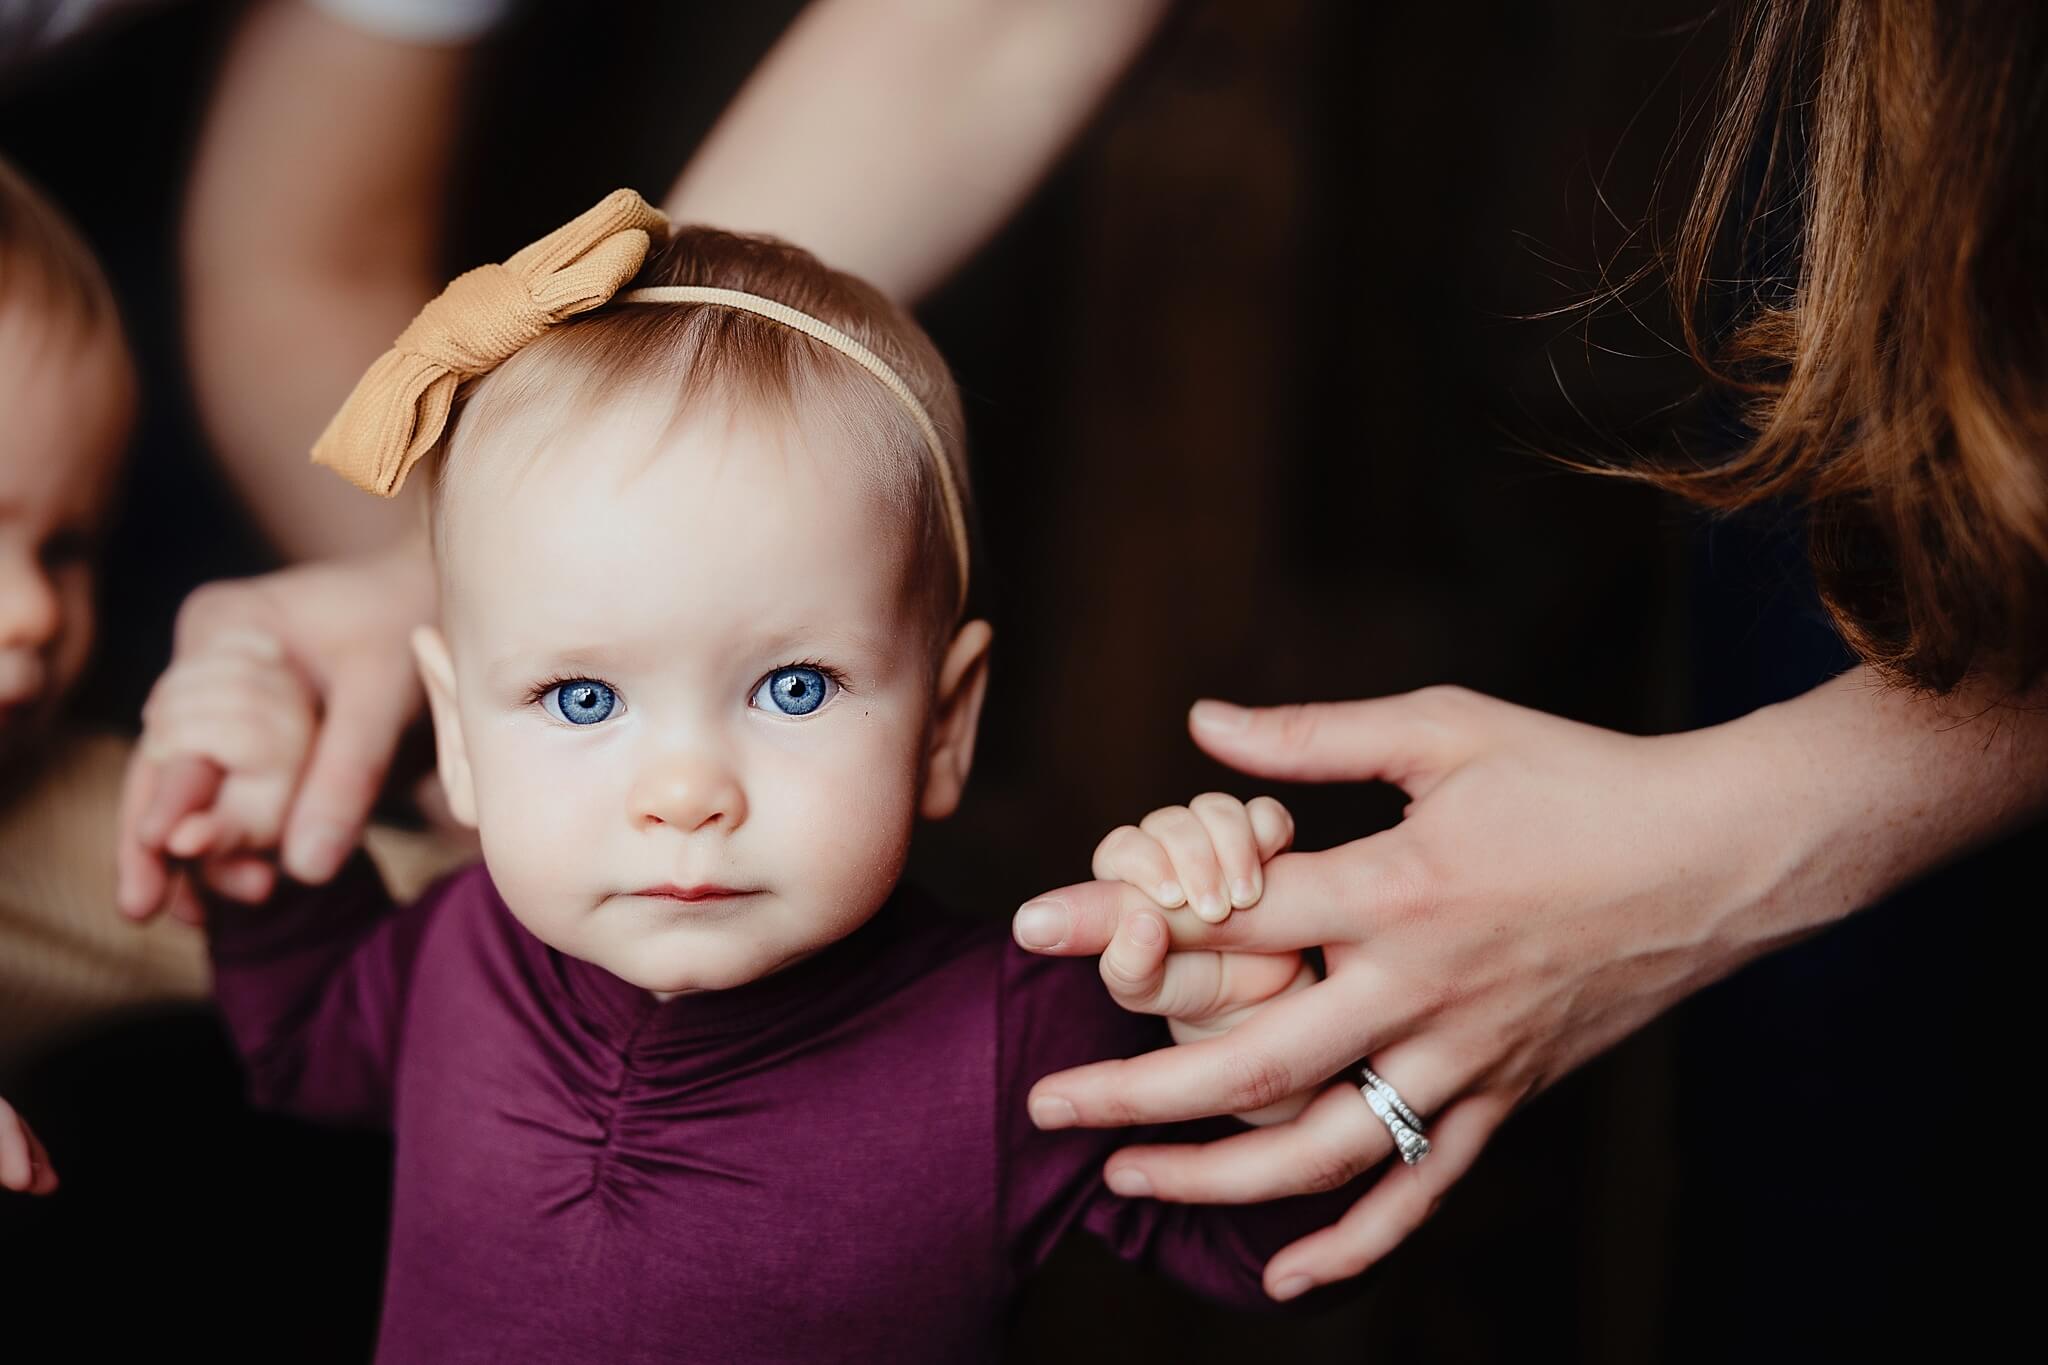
400,406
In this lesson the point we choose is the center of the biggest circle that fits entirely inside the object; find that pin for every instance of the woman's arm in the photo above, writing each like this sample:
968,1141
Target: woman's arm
893,137
1552,888
312,232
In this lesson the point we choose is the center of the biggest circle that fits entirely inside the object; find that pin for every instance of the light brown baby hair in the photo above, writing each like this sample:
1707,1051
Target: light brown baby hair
46,265
706,359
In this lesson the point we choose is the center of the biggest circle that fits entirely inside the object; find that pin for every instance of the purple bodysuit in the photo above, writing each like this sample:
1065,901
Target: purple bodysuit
830,1164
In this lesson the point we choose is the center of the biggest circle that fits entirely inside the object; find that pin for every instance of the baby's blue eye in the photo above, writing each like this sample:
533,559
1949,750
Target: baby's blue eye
794,691
582,701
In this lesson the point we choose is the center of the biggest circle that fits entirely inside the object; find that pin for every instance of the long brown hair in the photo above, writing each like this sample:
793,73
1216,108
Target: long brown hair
1866,262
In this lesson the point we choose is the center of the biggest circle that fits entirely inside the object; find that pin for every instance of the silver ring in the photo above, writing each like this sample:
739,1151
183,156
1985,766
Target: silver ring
1402,1122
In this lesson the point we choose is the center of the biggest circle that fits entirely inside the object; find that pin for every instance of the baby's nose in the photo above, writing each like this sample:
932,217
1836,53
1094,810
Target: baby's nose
29,610
688,792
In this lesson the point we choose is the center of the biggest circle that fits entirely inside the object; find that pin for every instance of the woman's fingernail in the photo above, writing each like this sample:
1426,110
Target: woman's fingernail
1147,930
1170,895
1243,893
1220,715
1130,1182
1293,1287
1213,909
1042,924
1050,1111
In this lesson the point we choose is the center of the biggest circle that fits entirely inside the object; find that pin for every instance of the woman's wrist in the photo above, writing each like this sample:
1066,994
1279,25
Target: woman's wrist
1848,792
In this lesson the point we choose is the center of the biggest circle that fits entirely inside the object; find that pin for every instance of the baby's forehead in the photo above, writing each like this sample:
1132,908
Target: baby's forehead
575,450
719,510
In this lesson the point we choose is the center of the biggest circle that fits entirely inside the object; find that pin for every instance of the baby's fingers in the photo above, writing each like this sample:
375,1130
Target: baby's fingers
24,1165
1272,826
1128,854
1190,846
1134,965
1233,836
243,877
186,785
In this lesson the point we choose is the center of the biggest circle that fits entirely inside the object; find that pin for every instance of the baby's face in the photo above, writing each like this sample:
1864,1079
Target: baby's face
688,700
68,406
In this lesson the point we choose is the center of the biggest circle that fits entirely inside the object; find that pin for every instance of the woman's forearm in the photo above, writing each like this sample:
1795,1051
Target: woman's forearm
1857,787
311,234
893,137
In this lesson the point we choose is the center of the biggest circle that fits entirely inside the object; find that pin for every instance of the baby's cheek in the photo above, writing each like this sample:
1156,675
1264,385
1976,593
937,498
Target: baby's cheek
75,631
857,818
537,823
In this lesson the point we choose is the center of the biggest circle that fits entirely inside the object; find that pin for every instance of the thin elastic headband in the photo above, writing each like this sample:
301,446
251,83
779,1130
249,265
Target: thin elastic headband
956,513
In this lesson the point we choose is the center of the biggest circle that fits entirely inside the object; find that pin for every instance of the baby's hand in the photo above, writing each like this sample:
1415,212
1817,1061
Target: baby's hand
1210,853
230,728
24,1165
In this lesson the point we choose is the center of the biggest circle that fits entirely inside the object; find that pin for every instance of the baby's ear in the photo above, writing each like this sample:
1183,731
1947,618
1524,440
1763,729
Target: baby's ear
437,672
956,716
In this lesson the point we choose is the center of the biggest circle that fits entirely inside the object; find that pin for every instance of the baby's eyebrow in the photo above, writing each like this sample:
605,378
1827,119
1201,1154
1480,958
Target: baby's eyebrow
832,638
527,664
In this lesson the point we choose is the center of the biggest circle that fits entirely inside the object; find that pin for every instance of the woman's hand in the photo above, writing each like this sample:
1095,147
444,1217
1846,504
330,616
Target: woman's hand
343,626
1552,887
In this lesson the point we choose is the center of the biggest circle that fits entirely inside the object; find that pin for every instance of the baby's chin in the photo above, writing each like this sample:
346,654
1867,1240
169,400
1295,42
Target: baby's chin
683,960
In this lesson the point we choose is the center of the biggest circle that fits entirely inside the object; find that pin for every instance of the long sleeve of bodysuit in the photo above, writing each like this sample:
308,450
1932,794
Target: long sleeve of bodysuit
312,984
1056,1016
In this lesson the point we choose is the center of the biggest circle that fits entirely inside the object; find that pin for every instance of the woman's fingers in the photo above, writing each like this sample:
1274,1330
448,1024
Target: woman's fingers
1335,896
367,710
1333,1142
1400,1201
1404,739
1293,1044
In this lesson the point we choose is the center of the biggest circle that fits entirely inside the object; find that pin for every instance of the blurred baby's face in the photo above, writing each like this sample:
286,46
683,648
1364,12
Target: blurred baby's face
687,697
68,406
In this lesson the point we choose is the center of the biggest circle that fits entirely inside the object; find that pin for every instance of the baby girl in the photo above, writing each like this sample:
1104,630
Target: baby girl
67,387
681,1070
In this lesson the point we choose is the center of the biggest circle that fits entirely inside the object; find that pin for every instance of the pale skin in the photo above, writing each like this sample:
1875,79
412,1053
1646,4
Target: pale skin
69,396
1552,888
873,101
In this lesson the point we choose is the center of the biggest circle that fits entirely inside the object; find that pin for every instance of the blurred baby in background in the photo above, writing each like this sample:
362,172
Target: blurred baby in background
67,392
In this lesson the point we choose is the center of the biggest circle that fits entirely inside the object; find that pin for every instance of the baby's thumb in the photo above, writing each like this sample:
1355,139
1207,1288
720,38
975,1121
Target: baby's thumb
1134,964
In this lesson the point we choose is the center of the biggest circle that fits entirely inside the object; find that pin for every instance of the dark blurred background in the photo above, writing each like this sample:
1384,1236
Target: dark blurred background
1256,387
